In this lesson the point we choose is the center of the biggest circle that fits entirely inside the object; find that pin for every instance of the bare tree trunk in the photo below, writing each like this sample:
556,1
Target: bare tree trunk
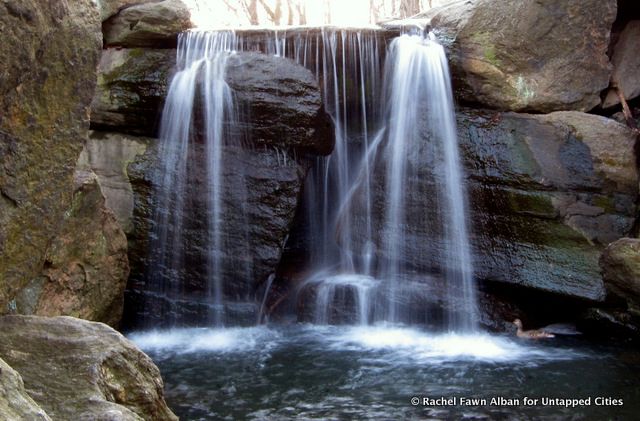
276,14
409,8
302,12
290,12
250,8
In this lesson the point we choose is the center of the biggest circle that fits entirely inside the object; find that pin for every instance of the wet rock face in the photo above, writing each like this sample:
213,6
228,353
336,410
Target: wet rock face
260,194
132,85
79,370
286,125
547,193
538,56
46,86
283,102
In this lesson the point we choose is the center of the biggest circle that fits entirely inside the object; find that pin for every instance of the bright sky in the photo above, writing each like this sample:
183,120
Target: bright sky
234,13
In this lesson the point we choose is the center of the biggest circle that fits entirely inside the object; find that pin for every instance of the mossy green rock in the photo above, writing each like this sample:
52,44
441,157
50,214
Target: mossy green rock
543,56
546,194
79,370
132,85
15,403
48,60
86,267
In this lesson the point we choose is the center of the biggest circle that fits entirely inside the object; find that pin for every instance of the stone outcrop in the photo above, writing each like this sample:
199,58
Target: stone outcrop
132,85
620,263
547,193
15,403
86,267
286,125
108,156
283,102
626,62
46,86
79,370
152,24
109,8
528,56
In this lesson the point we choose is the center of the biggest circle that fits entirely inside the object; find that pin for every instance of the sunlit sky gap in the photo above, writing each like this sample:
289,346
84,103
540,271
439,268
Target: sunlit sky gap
216,14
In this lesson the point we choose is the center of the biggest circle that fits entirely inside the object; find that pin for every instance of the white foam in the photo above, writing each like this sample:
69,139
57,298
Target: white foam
429,347
203,339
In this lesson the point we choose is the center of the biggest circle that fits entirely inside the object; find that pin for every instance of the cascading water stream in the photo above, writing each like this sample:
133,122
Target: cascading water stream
198,83
357,228
419,88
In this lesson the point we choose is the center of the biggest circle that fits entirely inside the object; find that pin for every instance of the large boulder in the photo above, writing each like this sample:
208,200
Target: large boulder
620,263
261,187
15,403
46,86
109,8
547,193
108,155
86,267
152,24
79,370
283,102
132,85
541,56
626,62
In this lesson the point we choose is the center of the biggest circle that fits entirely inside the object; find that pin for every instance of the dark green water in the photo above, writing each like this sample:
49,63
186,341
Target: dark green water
310,372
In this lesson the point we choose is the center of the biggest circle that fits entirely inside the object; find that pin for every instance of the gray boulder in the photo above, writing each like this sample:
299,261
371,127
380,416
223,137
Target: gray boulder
132,85
518,55
79,370
15,402
620,263
151,24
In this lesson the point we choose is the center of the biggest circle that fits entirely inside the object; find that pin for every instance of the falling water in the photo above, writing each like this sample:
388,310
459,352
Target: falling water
419,89
370,143
357,260
198,89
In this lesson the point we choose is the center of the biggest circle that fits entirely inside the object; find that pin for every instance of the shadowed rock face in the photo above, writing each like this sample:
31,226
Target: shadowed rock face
79,370
547,193
46,86
620,263
285,126
528,55
132,85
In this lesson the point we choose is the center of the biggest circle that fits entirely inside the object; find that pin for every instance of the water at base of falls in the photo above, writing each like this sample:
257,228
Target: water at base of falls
357,198
360,265
372,372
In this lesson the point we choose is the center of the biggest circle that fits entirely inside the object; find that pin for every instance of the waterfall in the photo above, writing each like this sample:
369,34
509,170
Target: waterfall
386,118
370,144
420,89
198,119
